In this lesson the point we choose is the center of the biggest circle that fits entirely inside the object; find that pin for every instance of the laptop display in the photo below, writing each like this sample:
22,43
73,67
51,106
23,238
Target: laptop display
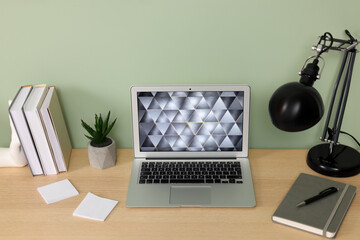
191,121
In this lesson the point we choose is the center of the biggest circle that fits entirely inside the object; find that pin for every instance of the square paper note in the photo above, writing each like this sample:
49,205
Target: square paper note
94,207
57,191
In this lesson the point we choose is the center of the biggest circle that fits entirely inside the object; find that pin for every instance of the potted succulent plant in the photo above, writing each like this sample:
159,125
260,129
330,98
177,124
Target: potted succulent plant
101,149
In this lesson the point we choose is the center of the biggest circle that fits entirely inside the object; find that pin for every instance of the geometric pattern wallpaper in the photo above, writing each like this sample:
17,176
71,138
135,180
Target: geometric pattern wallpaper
190,121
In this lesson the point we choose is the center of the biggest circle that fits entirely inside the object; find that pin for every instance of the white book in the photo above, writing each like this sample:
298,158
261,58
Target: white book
56,129
32,113
23,131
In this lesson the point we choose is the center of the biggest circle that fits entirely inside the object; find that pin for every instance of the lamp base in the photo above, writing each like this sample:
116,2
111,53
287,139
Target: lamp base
344,161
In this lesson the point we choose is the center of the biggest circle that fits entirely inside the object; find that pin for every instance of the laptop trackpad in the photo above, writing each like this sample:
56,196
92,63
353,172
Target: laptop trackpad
190,195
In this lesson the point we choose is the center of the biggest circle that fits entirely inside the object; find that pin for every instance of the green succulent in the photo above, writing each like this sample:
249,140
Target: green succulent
101,129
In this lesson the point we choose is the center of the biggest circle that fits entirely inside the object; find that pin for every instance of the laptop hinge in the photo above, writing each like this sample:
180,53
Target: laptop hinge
161,159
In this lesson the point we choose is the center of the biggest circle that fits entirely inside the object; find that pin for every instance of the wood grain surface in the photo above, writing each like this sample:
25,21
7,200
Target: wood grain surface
25,215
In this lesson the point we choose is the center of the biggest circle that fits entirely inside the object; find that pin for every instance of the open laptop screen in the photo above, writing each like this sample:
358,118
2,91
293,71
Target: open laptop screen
176,121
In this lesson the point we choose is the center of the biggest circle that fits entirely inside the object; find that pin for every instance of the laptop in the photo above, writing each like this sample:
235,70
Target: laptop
190,147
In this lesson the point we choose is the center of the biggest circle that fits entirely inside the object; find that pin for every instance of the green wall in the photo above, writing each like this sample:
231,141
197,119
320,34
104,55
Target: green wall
94,51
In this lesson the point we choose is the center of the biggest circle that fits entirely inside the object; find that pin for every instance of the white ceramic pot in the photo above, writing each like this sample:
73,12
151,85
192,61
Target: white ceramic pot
102,157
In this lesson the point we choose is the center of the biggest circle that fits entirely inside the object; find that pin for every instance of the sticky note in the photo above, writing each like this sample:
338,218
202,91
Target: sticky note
94,207
57,191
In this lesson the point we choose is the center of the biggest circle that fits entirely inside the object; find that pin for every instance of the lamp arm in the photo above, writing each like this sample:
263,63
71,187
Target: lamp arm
334,132
348,62
331,105
347,89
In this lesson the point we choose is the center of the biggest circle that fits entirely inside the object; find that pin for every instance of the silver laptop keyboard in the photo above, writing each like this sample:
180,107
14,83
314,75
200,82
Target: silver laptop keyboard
215,172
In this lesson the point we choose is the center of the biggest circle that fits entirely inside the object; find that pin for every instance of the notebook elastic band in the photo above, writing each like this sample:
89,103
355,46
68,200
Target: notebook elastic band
334,210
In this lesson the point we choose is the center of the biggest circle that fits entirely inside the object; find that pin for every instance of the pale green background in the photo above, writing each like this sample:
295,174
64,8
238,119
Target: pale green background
93,51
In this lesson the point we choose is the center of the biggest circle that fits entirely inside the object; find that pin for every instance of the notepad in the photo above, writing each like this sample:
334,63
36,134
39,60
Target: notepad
322,217
94,207
57,191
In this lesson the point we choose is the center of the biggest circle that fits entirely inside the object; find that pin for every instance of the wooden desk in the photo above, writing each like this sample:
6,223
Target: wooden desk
25,215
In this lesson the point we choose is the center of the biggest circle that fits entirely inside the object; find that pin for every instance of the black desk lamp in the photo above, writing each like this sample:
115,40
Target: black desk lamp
297,106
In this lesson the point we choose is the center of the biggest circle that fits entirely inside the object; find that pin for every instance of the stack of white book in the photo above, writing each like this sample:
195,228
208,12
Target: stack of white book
40,125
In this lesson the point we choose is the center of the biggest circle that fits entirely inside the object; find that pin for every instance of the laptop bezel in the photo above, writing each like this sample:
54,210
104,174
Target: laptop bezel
211,154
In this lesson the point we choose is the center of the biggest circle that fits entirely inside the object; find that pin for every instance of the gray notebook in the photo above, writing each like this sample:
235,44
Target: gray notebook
322,217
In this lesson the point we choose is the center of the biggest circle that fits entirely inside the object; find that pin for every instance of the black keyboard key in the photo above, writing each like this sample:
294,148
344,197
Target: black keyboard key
234,176
164,181
186,180
145,173
142,181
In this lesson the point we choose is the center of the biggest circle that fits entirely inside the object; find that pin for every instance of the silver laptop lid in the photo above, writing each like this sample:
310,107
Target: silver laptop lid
210,121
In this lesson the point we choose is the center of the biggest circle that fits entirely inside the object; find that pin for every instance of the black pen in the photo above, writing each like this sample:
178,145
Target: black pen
321,195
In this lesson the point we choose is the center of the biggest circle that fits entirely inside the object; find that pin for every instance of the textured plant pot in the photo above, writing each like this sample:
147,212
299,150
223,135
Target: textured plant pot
102,157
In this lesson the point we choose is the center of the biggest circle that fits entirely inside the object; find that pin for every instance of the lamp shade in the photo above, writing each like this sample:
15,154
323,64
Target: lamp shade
295,107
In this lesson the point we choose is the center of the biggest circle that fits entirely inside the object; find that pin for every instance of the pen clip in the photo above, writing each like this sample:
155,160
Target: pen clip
330,189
